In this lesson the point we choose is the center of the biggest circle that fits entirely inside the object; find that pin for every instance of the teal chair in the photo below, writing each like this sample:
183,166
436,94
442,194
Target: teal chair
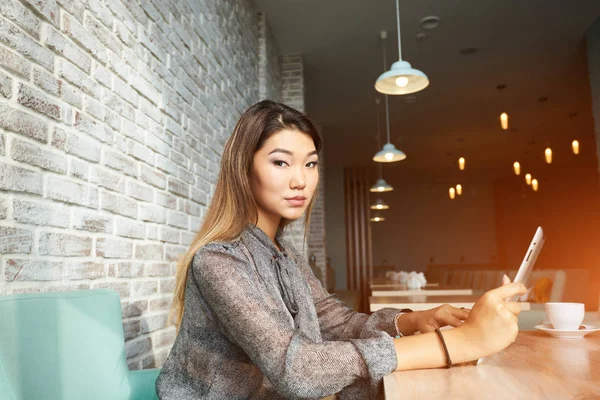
69,345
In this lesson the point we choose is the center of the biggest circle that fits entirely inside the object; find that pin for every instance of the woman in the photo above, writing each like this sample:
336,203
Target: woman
253,321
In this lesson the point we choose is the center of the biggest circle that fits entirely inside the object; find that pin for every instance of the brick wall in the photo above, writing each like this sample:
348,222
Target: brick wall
269,71
113,116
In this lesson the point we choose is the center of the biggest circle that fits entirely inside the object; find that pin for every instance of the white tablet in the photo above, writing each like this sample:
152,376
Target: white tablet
532,254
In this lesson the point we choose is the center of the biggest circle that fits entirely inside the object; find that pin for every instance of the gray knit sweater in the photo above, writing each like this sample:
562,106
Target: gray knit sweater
258,325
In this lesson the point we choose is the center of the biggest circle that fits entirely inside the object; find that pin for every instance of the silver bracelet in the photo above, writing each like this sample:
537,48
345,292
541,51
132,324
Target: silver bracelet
398,333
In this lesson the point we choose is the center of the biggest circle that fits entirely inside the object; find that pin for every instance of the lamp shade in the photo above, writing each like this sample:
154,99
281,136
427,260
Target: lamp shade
381,186
377,218
389,153
402,78
379,205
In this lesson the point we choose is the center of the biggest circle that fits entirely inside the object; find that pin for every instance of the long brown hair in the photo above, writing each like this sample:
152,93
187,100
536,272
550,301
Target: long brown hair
233,206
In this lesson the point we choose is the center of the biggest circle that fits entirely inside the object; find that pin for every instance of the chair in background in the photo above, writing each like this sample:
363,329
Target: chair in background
68,345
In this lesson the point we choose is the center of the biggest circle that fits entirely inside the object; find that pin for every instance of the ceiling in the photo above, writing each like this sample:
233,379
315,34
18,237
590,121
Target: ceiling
536,49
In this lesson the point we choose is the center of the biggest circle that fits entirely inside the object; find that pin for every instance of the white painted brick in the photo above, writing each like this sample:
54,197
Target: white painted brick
83,36
167,285
26,124
38,156
168,200
95,28
152,232
152,176
158,269
152,213
37,100
144,289
131,130
120,162
139,191
102,75
174,252
99,130
122,89
170,235
178,219
118,204
130,228
84,270
15,240
119,105
105,177
47,9
178,187
76,144
13,62
32,270
94,108
91,221
123,288
75,7
150,110
166,165
158,145
118,66
145,88
135,348
114,248
56,42
149,252
65,245
5,85
71,95
199,196
46,81
140,151
21,16
130,270
134,308
101,12
153,323
78,78
14,37
79,169
17,179
188,237
36,213
65,190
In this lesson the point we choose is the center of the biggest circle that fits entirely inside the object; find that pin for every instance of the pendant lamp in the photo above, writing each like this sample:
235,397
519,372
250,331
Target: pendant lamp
389,153
402,78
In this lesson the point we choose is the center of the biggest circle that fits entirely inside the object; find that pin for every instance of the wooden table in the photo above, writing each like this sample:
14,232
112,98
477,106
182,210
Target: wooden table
536,366
381,283
441,290
426,302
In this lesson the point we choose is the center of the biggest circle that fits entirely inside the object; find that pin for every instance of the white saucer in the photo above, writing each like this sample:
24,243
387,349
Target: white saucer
567,333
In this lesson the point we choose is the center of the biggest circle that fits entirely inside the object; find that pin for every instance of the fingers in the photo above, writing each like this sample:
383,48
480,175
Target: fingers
510,290
460,313
452,321
513,307
505,280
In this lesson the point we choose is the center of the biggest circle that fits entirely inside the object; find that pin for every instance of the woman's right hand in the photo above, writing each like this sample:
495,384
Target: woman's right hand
492,324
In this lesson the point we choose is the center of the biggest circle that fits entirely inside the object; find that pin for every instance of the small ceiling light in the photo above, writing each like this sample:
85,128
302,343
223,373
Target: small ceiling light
528,179
504,121
548,155
430,22
381,186
388,83
535,185
452,193
377,218
379,205
461,163
517,168
459,189
575,146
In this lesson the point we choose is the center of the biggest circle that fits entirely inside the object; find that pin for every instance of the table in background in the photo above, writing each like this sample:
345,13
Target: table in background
441,290
536,366
426,302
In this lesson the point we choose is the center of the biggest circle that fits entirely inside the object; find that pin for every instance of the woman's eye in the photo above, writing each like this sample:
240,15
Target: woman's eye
312,164
279,163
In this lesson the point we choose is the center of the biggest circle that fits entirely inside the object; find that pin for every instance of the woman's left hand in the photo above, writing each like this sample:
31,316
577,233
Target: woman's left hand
429,320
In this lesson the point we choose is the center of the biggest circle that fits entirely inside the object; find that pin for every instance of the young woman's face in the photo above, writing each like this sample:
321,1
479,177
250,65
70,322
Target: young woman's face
285,174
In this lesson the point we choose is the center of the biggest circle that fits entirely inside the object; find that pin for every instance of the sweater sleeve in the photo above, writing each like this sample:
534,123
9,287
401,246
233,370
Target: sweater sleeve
296,366
340,322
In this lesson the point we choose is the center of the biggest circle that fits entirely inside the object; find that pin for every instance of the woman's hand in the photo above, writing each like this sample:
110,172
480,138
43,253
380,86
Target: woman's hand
492,324
430,320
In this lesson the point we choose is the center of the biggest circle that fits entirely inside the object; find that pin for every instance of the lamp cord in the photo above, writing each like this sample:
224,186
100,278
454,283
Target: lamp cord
398,17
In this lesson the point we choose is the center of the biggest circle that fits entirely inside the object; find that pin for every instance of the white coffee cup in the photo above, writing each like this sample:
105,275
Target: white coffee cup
565,316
